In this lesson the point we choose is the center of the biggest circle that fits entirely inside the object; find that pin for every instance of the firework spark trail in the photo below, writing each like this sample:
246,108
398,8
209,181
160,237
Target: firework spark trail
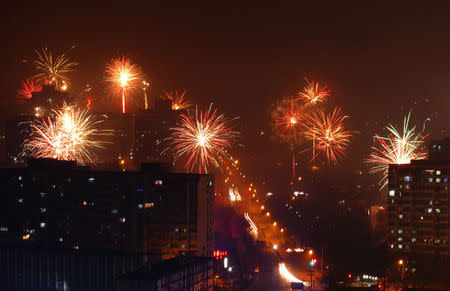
178,100
329,134
70,135
28,88
53,70
203,138
123,77
290,119
313,93
397,148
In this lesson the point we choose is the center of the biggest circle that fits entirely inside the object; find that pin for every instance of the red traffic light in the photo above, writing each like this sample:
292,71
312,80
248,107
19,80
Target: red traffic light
349,275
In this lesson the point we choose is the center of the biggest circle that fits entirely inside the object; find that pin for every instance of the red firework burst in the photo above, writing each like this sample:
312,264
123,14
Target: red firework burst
313,93
203,139
28,88
123,77
328,134
289,119
178,99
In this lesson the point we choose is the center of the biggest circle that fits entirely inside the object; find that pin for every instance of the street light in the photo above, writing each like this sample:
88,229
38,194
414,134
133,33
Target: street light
310,252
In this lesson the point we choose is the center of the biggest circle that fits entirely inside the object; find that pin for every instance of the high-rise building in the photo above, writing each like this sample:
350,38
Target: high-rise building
58,204
180,273
152,128
418,210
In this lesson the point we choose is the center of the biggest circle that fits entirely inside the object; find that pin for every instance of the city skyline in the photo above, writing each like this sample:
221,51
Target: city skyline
298,143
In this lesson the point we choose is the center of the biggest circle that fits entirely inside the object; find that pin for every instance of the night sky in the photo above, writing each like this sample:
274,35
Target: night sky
378,59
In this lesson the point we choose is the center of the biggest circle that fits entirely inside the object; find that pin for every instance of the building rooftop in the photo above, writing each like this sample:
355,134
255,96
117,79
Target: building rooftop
156,271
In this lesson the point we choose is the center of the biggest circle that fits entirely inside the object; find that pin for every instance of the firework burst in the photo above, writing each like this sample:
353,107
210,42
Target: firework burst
53,70
328,134
313,93
178,99
397,148
289,118
203,139
28,88
123,77
69,134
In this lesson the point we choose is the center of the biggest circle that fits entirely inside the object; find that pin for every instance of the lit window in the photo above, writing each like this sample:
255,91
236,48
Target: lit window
438,180
400,246
4,228
391,231
392,246
413,239
20,200
91,179
42,194
158,182
42,224
430,180
391,192
140,206
438,210
140,189
400,216
438,172
407,179
149,205
400,231
210,183
392,200
43,210
400,239
122,219
437,241
445,180
431,202
20,178
115,211
429,210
